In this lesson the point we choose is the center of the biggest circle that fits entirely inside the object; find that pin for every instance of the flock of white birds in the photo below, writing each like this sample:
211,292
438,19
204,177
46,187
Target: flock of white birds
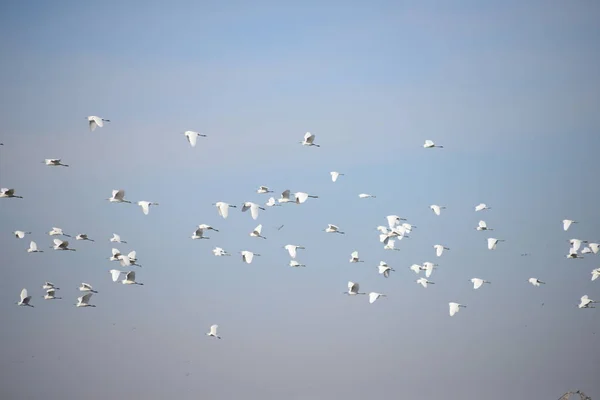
397,228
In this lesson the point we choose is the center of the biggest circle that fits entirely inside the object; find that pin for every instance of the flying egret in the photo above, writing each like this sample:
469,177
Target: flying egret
130,279
50,295
439,249
309,140
354,257
33,248
390,245
83,236
253,207
84,301
213,331
567,223
366,196
373,296
25,299
301,197
477,283
95,121
483,226
586,302
384,269
117,239
118,196
49,285
429,144
223,208
595,274
294,263
428,267
272,202
285,196
481,207
455,307
248,256
492,242
115,274
437,209
256,232
20,234
263,189
199,234
192,137
57,232
595,247
536,282
217,251
291,248
335,175
576,243
333,229
353,289
9,193
424,282
146,206
54,162
61,245
86,287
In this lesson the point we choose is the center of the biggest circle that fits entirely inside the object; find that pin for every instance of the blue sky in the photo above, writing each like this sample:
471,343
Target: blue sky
510,89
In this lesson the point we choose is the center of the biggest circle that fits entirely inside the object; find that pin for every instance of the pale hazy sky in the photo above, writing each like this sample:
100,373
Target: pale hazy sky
510,89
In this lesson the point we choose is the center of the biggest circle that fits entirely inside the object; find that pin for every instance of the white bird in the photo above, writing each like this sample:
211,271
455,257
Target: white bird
118,196
217,251
199,234
586,302
272,202
146,206
57,232
83,236
9,193
428,267
61,245
366,196
492,242
115,274
248,256
301,197
424,282
481,207
595,274
567,223
439,249
263,189
25,299
333,229
285,196
130,279
20,234
429,144
192,137
335,175
223,208
117,239
84,301
50,295
437,209
454,308
54,162
291,248
576,243
477,283
483,226
294,263
595,247
253,207
256,232
536,282
354,257
374,296
33,248
309,140
384,269
86,287
94,121
390,245
49,285
353,289
213,331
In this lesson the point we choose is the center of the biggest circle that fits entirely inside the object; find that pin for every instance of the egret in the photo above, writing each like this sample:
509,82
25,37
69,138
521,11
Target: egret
118,196
256,232
576,243
536,282
192,137
9,193
33,248
301,197
84,301
253,207
248,256
424,282
390,245
455,307
217,251
354,257
595,274
439,249
366,196
54,162
86,287
57,232
199,234
94,121
263,189
586,302
294,263
25,299
117,239
429,144
272,202
49,285
130,279
595,247
309,140
437,209
83,236
61,245
291,248
492,242
145,205
20,234
50,295
373,296
384,269
335,175
213,331
333,229
285,196
115,274
567,223
353,289
483,226
482,206
477,283
223,208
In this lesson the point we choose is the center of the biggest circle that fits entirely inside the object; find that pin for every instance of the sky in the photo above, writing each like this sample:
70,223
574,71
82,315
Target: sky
510,89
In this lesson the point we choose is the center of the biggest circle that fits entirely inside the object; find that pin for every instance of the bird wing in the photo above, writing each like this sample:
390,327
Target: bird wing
115,274
301,197
254,211
354,254
249,256
291,249
23,294
116,252
130,276
58,242
213,329
86,297
438,250
482,224
334,176
373,296
308,137
33,245
124,260
92,124
223,210
145,207
247,205
477,283
192,137
566,224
